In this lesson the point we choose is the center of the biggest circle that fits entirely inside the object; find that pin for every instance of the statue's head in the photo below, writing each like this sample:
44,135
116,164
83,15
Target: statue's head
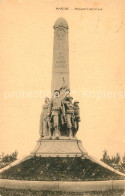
67,91
70,98
76,103
56,93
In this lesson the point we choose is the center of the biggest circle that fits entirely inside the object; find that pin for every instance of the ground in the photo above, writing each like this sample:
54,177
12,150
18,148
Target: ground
9,192
59,169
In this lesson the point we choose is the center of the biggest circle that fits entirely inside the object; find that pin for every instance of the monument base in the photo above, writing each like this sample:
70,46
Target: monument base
59,148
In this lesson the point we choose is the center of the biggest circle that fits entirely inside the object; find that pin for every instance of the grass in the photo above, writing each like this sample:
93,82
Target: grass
59,169
13,192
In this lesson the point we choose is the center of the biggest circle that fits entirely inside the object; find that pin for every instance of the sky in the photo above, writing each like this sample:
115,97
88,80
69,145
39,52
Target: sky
97,70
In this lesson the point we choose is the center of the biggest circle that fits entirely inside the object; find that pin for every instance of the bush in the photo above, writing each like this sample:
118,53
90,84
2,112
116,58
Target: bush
114,161
7,159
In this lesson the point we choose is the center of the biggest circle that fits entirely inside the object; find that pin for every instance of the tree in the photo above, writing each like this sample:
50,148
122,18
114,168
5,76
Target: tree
123,161
114,161
7,159
105,157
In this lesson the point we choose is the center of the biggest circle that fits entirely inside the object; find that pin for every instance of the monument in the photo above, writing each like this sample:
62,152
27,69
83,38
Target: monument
59,156
60,117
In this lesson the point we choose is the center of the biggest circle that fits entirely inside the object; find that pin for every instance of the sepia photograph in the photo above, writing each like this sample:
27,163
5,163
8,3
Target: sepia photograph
62,98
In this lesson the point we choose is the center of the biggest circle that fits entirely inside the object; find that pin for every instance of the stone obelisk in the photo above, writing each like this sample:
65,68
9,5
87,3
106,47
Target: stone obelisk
60,68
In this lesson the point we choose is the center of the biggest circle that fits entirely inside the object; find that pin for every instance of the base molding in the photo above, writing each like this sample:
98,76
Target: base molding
83,186
59,148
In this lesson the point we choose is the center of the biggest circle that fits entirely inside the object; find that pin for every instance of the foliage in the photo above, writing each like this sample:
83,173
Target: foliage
123,161
7,159
114,161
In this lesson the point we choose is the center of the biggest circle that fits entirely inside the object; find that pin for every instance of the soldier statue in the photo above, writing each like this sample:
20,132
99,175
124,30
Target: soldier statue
56,109
69,113
76,117
59,116
45,125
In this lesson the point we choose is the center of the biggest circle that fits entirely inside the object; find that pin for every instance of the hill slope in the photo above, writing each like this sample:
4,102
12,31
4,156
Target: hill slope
59,169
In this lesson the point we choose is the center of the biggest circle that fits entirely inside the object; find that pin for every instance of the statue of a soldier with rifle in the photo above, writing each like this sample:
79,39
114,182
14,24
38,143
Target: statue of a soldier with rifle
57,113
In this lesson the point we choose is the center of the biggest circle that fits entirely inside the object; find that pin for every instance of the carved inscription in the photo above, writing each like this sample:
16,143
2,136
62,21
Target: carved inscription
60,61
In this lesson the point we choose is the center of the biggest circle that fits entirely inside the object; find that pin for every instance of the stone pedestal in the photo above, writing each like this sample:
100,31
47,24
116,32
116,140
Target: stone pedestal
59,148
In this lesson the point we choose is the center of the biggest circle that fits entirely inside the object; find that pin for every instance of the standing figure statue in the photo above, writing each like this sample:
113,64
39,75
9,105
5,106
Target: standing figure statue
45,125
76,117
69,112
56,108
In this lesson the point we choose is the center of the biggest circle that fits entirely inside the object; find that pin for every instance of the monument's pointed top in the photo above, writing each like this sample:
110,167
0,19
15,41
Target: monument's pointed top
61,22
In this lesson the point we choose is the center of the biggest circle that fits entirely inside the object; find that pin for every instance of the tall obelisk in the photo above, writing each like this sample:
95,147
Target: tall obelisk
60,68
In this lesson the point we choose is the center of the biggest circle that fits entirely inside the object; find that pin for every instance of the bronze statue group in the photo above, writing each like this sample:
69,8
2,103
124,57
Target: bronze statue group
60,116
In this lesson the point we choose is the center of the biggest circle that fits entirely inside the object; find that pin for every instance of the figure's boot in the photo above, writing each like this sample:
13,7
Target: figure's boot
57,133
67,133
50,134
70,134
